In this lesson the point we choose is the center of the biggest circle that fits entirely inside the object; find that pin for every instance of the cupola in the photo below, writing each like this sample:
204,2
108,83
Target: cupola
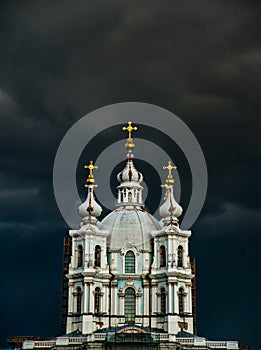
170,210
90,209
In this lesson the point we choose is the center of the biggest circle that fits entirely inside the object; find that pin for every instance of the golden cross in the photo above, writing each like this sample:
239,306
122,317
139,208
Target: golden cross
170,167
129,128
90,179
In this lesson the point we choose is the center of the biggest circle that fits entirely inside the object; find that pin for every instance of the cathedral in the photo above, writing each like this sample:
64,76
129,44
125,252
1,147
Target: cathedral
130,275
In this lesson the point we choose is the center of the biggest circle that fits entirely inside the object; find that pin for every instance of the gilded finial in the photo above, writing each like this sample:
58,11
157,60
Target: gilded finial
169,167
90,180
166,186
129,128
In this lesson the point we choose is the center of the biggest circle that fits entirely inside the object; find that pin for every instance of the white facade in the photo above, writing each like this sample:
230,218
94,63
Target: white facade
143,276
130,274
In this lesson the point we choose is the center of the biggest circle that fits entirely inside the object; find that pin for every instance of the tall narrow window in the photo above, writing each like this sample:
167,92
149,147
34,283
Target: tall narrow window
181,296
129,262
97,300
163,300
97,256
79,256
79,300
130,305
180,256
162,256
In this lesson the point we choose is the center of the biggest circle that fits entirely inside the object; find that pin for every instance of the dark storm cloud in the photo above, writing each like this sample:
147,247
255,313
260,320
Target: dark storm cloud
59,60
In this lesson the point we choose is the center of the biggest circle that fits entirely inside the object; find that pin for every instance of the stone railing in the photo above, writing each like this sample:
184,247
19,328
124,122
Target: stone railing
198,341
67,341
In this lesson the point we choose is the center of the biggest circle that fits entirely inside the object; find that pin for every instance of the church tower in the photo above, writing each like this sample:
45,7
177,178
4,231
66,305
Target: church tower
89,270
171,270
130,269
130,277
130,247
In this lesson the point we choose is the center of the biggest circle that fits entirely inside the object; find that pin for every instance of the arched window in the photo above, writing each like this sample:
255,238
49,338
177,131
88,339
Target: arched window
181,295
97,256
79,300
163,300
97,300
129,262
130,305
79,256
180,256
162,256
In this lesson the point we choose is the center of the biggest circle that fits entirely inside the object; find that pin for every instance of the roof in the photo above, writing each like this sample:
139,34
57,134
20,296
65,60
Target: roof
130,226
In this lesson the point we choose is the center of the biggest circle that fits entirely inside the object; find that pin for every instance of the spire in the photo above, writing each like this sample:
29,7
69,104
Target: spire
170,210
90,208
130,190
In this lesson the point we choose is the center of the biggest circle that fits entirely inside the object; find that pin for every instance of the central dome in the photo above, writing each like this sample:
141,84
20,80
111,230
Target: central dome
131,226
129,223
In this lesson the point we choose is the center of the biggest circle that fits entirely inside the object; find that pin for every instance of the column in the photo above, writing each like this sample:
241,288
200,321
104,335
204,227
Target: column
114,298
174,310
146,298
121,296
70,297
74,306
170,301
189,298
91,247
86,297
169,255
176,302
73,253
104,295
138,297
154,299
91,298
140,196
86,253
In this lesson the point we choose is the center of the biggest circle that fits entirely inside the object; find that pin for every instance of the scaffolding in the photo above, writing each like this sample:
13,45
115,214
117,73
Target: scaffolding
67,251
16,341
194,294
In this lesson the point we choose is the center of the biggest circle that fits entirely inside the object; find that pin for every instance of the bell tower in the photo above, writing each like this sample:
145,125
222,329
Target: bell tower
171,270
88,271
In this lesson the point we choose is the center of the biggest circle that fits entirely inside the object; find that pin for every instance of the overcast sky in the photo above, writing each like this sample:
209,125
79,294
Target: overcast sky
201,60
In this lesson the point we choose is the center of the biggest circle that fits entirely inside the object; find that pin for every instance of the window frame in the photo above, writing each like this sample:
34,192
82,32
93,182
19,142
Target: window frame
79,255
181,300
130,265
97,255
130,309
97,300
162,256
163,300
180,256
79,300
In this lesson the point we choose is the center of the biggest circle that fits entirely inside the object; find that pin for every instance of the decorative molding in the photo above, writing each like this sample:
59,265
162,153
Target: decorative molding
129,282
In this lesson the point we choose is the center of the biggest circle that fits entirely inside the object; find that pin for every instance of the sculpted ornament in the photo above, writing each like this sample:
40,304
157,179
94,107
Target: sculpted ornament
129,282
